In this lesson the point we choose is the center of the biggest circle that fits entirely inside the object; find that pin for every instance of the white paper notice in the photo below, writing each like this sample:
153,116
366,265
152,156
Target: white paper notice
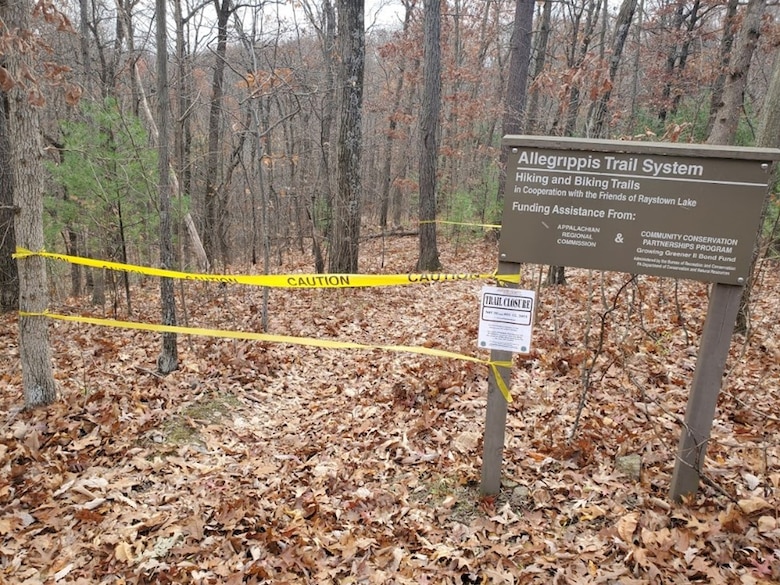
506,319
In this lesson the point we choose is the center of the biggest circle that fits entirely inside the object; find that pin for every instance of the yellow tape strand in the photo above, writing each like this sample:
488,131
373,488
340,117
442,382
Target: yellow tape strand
288,339
276,280
485,225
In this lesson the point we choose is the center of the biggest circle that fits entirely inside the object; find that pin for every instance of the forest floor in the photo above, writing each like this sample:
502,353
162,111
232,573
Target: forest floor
273,463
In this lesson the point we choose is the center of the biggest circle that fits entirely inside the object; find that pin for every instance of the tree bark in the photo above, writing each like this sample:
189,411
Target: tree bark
345,230
768,137
213,212
726,119
9,275
182,131
26,161
385,180
429,136
622,26
168,359
84,44
678,55
726,46
542,38
576,61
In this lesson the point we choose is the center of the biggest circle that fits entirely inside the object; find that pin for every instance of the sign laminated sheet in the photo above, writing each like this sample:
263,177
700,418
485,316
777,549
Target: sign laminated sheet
506,319
670,210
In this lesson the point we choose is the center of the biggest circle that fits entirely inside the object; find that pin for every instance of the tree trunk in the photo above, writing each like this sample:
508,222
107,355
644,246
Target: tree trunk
600,126
726,119
768,137
726,46
168,359
386,180
213,213
329,105
345,232
429,136
24,132
576,61
673,58
556,275
542,38
73,247
635,69
519,63
9,276
182,133
321,197
84,44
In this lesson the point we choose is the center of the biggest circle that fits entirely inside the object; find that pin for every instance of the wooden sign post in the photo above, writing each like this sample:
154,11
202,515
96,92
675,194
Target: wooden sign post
495,419
700,411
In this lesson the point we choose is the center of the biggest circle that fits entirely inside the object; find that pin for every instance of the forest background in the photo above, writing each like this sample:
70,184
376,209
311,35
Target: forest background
221,142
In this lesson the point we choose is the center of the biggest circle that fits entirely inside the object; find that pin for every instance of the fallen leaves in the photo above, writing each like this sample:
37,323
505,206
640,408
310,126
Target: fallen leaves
258,463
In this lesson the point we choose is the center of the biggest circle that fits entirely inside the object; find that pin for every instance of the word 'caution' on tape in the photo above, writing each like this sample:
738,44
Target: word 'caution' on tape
278,280
288,339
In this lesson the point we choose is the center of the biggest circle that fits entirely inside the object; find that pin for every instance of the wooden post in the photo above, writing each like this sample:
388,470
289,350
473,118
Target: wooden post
703,398
495,419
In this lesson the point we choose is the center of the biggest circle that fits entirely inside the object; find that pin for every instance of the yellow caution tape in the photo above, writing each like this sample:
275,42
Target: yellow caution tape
291,340
278,280
486,225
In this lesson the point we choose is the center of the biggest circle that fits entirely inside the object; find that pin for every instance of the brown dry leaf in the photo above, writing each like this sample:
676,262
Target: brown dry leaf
73,95
626,526
284,464
767,524
124,552
750,505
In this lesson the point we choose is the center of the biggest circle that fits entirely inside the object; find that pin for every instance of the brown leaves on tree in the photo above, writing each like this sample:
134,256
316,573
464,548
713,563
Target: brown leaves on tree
6,81
263,463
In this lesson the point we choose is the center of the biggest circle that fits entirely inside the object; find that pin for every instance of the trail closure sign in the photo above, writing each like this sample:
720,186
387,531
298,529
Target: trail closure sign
676,210
506,319
685,211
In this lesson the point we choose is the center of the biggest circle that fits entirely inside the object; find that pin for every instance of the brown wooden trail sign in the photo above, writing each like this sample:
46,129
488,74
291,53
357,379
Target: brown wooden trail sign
677,210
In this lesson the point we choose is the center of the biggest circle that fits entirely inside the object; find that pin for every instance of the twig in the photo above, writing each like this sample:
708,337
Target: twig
150,372
588,369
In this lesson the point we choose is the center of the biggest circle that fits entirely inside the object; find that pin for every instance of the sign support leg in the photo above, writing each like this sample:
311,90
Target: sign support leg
703,398
495,427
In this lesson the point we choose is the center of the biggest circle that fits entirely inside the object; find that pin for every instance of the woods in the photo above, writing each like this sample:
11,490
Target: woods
259,110
319,136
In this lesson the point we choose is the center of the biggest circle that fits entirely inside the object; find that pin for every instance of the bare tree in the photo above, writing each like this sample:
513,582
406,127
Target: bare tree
345,229
724,54
213,227
729,111
24,133
685,20
541,40
324,24
398,75
622,26
429,136
9,276
168,359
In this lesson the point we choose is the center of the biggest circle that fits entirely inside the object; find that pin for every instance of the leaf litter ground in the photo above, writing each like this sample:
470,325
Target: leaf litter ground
264,463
